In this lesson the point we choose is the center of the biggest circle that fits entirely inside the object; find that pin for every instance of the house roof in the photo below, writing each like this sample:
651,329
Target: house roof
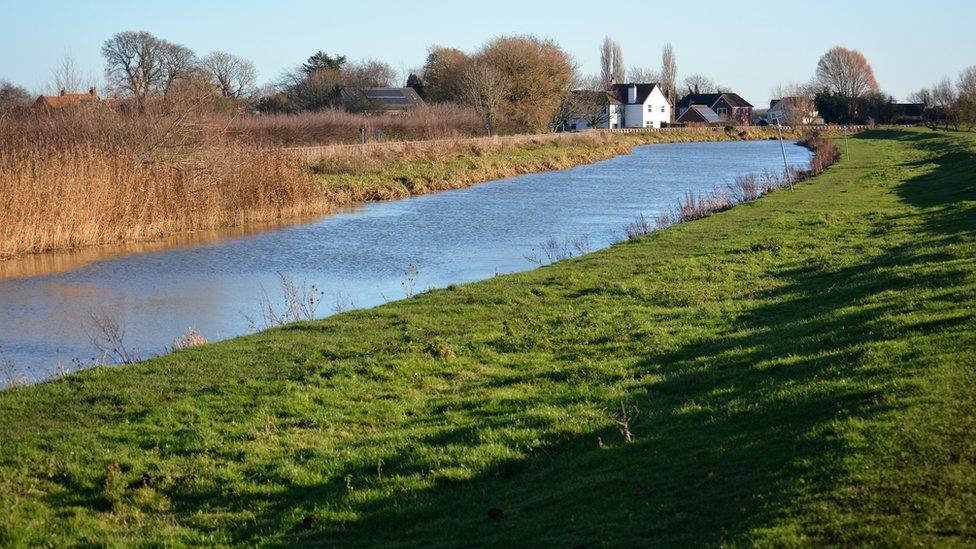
709,99
390,98
66,99
699,113
594,95
908,109
619,91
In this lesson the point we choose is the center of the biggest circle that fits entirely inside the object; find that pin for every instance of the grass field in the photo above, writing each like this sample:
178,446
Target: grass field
796,370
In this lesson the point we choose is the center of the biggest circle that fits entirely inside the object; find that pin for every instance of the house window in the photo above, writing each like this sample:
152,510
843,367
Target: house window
650,108
722,111
662,108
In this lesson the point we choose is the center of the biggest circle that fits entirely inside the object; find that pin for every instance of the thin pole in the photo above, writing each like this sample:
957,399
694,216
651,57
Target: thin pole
847,143
782,147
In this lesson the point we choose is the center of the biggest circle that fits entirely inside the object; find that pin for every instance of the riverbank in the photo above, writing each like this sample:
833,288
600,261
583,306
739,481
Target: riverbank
795,370
94,184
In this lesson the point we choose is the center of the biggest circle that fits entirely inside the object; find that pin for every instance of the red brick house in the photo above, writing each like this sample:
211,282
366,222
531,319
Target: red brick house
729,107
67,99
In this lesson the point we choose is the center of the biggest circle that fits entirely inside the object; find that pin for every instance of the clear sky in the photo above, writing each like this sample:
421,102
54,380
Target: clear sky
749,46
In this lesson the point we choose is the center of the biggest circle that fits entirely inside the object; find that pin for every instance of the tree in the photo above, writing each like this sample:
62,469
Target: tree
67,77
643,75
368,74
417,83
179,62
12,95
589,102
846,74
699,83
233,76
966,97
140,65
611,63
669,73
442,73
485,88
944,101
539,74
796,103
321,60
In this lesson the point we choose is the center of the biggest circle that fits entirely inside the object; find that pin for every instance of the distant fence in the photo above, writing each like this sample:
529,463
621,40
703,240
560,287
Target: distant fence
321,152
721,129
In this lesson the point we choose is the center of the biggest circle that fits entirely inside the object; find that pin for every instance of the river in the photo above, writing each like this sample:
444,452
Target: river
359,257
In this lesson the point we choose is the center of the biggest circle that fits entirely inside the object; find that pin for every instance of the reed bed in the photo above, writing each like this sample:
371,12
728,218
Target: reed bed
337,126
83,179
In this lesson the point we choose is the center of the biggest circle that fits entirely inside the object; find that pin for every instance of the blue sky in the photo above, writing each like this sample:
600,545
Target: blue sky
747,45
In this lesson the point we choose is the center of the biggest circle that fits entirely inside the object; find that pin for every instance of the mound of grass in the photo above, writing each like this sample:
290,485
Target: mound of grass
796,370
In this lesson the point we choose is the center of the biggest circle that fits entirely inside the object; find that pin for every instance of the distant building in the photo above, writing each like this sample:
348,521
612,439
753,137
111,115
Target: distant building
907,113
68,99
794,111
729,107
381,100
699,114
635,105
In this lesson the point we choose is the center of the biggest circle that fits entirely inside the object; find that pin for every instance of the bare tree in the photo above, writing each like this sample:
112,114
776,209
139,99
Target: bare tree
611,63
643,75
944,99
134,64
66,77
966,97
141,65
368,74
699,83
669,73
484,88
922,96
846,73
179,62
233,76
12,95
589,102
795,105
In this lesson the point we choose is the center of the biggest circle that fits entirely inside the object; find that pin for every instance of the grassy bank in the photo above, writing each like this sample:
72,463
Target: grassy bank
795,370
72,179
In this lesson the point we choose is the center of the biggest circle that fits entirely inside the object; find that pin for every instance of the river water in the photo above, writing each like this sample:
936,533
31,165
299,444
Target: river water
359,257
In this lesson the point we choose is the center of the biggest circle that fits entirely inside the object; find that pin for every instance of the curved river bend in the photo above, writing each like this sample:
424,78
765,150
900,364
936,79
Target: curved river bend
359,257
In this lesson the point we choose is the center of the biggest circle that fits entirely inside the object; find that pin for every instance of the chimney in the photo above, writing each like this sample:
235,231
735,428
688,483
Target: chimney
62,91
632,94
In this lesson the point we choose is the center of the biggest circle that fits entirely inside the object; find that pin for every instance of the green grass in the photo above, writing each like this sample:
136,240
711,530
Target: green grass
803,369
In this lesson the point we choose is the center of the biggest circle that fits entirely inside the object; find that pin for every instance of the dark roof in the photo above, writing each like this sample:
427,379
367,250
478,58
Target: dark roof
699,113
908,109
390,98
643,90
710,99
591,95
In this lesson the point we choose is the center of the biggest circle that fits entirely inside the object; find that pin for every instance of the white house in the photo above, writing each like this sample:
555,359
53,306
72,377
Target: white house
794,111
626,106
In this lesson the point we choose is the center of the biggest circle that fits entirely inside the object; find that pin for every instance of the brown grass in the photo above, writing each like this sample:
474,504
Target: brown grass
443,121
81,177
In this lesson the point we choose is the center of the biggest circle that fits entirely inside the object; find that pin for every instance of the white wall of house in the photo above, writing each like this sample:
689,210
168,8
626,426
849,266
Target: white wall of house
654,111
